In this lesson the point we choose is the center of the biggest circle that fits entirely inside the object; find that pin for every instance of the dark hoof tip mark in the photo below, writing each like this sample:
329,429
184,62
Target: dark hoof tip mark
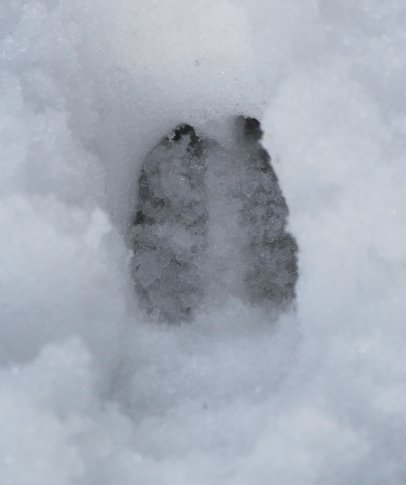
182,130
185,130
252,129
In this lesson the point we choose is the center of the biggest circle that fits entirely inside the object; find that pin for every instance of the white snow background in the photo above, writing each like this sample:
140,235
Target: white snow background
90,394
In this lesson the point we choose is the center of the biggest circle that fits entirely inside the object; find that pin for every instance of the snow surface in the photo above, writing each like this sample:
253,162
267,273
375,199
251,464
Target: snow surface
92,394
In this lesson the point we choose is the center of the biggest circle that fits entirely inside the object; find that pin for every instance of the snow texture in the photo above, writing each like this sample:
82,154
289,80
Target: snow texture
93,393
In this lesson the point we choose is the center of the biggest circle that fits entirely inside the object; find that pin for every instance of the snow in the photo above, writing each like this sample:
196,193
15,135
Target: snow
91,393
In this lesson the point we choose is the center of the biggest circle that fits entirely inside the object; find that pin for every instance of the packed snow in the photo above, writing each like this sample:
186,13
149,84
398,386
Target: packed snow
92,391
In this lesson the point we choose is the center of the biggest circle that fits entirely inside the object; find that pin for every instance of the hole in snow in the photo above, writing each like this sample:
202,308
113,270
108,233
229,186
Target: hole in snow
210,223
